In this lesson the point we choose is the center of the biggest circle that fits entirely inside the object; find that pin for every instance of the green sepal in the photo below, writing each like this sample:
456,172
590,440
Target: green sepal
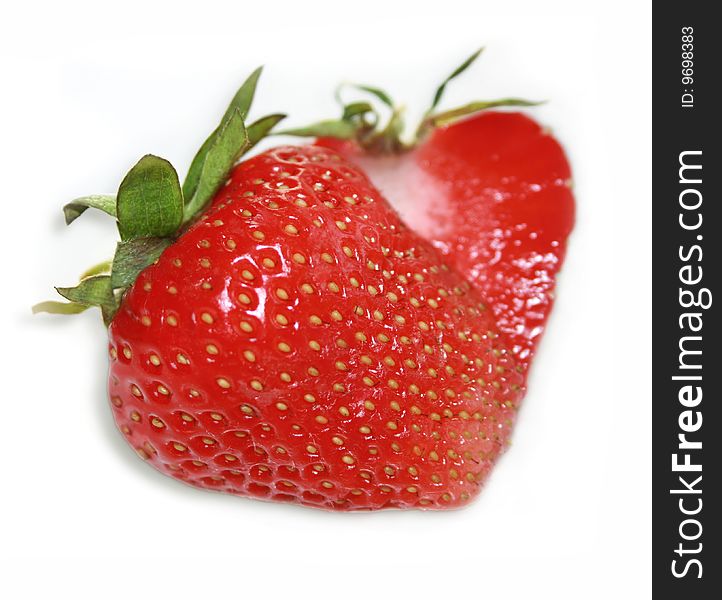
190,184
262,127
59,308
150,201
241,102
132,257
374,91
449,116
104,202
356,109
102,268
458,71
93,291
335,128
229,144
244,96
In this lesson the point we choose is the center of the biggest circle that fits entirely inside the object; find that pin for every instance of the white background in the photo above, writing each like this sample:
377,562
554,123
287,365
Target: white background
91,86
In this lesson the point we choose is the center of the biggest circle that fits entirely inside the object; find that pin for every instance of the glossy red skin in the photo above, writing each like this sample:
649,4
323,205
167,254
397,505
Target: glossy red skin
200,419
505,210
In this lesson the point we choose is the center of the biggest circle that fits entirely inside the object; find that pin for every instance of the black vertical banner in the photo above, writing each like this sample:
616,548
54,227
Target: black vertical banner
687,301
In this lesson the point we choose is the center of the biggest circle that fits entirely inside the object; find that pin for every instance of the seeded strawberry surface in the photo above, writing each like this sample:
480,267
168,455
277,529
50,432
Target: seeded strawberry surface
300,343
493,194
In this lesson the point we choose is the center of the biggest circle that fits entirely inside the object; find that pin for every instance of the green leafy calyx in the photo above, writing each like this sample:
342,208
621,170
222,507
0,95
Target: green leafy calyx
152,209
360,120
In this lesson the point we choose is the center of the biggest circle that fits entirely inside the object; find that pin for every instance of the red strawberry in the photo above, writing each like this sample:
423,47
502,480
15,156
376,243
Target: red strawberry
295,341
300,343
490,190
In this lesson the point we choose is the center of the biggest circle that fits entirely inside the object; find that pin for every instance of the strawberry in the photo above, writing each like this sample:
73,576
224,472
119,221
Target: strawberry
277,331
490,189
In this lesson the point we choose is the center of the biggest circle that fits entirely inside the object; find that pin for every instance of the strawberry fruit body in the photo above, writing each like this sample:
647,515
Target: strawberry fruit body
300,343
278,331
